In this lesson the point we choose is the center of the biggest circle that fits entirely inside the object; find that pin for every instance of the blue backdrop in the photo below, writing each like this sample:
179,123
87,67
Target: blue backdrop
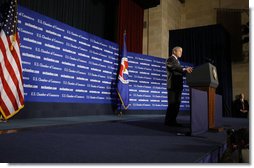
67,65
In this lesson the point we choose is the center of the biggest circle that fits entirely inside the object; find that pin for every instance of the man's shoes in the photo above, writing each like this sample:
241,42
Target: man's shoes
177,125
174,124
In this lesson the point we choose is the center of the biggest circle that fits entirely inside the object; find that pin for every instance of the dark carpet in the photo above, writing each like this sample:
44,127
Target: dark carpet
138,141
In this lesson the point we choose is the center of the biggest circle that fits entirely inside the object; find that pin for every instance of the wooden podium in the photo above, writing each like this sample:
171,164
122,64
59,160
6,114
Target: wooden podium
204,77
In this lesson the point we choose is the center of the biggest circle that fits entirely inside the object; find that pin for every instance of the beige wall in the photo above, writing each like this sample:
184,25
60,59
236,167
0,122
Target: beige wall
199,13
171,15
240,79
152,32
159,21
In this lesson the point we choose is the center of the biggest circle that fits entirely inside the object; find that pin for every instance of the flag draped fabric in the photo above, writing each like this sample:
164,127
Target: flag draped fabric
123,82
11,81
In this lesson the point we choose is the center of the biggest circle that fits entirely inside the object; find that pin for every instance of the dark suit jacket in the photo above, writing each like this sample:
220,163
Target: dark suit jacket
239,106
174,74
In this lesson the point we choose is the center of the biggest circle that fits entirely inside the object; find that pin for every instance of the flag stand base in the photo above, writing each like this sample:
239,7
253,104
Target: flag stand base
2,119
120,113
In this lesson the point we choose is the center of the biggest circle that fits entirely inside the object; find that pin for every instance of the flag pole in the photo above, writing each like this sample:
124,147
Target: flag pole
120,112
121,101
15,18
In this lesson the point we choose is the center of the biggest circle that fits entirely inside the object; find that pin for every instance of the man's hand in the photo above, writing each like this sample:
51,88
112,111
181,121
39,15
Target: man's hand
189,69
243,111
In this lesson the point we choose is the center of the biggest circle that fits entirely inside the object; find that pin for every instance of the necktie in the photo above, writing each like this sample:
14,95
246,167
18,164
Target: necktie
242,104
178,61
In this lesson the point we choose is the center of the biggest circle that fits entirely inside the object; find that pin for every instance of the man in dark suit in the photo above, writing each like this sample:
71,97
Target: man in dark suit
174,85
242,106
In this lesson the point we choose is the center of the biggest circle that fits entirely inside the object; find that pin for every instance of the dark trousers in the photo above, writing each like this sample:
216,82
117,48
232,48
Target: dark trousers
174,101
243,115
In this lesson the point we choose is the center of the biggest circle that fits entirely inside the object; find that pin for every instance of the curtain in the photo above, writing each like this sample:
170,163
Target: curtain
130,18
207,44
105,18
98,17
230,19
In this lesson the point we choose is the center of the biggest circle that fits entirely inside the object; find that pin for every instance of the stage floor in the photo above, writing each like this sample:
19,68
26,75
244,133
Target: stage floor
109,139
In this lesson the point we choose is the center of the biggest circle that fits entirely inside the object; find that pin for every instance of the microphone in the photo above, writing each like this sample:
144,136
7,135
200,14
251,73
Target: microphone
209,60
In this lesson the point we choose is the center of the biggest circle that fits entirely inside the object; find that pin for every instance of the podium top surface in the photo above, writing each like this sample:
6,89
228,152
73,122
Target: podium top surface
203,75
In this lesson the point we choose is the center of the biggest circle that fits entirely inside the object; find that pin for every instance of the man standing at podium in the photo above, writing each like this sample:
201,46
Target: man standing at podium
174,85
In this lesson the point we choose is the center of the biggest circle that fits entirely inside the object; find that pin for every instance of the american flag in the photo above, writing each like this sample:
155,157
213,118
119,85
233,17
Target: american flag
11,81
